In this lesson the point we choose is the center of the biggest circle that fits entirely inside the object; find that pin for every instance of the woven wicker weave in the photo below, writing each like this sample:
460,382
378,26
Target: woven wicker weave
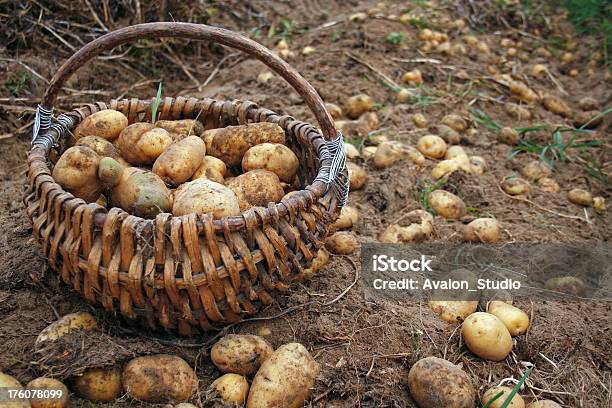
189,272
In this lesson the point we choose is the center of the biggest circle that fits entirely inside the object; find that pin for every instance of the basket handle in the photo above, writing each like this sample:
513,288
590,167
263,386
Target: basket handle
195,32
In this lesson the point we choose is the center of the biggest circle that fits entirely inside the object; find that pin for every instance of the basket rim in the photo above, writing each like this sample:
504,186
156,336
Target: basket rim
252,217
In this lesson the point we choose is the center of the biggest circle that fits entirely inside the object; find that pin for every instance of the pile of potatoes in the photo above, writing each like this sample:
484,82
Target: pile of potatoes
177,167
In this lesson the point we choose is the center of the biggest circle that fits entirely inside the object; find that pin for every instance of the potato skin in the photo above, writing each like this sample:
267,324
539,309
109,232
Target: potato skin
77,172
389,152
232,388
358,104
486,336
212,169
544,404
484,230
515,402
580,197
285,379
348,217
432,146
99,384
516,186
107,123
231,143
274,157
109,172
256,188
128,139
180,129
67,324
141,193
159,378
453,311
202,196
44,383
515,320
436,383
447,204
357,176
179,161
103,147
152,144
7,381
240,353
342,243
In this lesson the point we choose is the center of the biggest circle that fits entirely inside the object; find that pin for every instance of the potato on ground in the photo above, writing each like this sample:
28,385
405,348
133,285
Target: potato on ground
432,146
103,147
447,204
342,243
142,143
390,152
588,104
368,122
549,185
58,396
180,129
357,176
212,169
357,105
535,170
285,380
351,151
319,261
231,388
558,106
203,196
107,123
66,324
599,204
7,381
232,142
486,336
180,161
570,285
485,230
523,93
449,135
455,122
348,217
256,188
77,172
436,383
141,193
419,120
419,230
453,311
515,320
478,165
544,404
240,353
516,186
580,197
460,156
515,402
274,157
334,110
159,378
588,120
444,168
508,135
101,384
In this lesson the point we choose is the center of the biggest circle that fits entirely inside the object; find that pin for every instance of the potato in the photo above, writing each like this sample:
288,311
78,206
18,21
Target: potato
369,152
453,311
460,156
426,35
231,143
580,197
436,383
274,157
109,172
599,204
588,120
557,106
478,165
159,378
334,110
180,129
99,384
77,172
484,230
180,161
7,381
419,120
141,193
256,188
357,176
212,169
351,151
538,70
240,353
432,146
390,152
103,147
588,104
58,388
319,261
444,168
544,404
67,324
342,243
515,320
455,122
369,121
447,204
357,105
516,186
420,229
403,95
535,170
518,112
141,143
413,77
203,196
486,336
449,135
231,388
348,217
107,123
508,135
515,402
521,92
285,380
549,185
570,285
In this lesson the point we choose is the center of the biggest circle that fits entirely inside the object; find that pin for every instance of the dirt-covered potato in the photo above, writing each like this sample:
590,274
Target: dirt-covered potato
368,152
77,172
403,95
320,260
549,185
484,230
557,106
256,188
447,204
351,151
544,404
460,156
212,169
348,217
342,243
455,122
368,122
515,402
535,170
478,165
486,336
450,135
453,311
100,384
180,161
141,143
231,388
107,123
518,112
232,142
599,204
357,176
58,393
159,378
419,120
437,383
508,135
522,92
432,146
389,152
203,196
103,147
10,382
240,353
141,193
418,230
180,129
413,77
570,285
588,120
588,104
515,320
444,168
274,157
67,324
109,172
516,186
285,380
580,197
357,105
334,110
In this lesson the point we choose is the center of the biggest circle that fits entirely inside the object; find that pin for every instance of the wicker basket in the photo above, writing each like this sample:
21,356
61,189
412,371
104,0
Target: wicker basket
189,272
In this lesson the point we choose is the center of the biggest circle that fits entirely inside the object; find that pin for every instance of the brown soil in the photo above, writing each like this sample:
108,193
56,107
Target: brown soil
365,349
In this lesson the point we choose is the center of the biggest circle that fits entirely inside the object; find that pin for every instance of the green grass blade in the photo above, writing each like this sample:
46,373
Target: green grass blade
516,388
156,103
